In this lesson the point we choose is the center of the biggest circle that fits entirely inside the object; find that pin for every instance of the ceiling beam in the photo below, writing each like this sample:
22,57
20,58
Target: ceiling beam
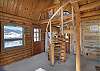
92,13
82,8
84,15
95,17
51,7
55,19
90,5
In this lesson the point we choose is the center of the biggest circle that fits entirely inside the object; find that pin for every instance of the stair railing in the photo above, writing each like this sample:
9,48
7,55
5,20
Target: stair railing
49,25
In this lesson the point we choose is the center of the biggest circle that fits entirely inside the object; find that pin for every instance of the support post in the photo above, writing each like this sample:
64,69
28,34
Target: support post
77,17
77,43
50,32
77,21
51,46
73,17
62,32
47,27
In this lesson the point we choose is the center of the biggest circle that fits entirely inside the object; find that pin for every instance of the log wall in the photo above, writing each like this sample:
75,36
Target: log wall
30,48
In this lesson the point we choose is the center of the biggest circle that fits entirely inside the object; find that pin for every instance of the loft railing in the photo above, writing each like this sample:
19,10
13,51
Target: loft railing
60,10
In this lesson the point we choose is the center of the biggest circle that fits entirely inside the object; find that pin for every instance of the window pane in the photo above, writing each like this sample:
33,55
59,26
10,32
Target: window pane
13,36
13,43
35,30
38,35
99,28
66,13
94,28
37,39
12,32
34,39
35,35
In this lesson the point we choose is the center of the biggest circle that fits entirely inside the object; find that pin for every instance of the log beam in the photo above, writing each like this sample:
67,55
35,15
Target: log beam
84,15
90,6
62,22
59,10
77,21
55,19
78,41
14,18
96,17
88,14
51,46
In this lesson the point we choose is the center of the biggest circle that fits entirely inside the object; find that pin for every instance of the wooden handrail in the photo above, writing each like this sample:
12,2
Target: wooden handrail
49,23
59,10
56,13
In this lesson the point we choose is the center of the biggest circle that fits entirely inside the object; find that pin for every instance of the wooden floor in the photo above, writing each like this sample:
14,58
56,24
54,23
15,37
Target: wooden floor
41,61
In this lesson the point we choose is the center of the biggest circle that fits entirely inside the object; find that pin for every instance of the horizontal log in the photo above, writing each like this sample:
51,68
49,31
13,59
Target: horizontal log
90,5
14,55
56,5
55,19
14,18
87,14
96,17
59,10
83,16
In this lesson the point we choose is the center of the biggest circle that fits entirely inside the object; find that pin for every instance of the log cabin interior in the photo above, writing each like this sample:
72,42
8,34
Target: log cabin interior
50,35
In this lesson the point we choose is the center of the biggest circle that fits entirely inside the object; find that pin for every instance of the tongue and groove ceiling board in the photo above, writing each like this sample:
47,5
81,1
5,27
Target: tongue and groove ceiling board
29,9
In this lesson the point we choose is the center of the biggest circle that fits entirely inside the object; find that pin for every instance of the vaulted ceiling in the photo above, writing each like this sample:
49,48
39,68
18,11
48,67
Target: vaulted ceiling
31,9
24,8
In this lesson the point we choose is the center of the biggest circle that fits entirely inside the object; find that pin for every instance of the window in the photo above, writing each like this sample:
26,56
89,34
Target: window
13,36
37,35
94,28
66,13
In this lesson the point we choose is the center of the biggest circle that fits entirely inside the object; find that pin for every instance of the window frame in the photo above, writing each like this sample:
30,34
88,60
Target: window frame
15,25
39,34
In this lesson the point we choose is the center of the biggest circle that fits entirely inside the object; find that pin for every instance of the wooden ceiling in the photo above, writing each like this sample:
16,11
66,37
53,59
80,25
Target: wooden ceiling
29,9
